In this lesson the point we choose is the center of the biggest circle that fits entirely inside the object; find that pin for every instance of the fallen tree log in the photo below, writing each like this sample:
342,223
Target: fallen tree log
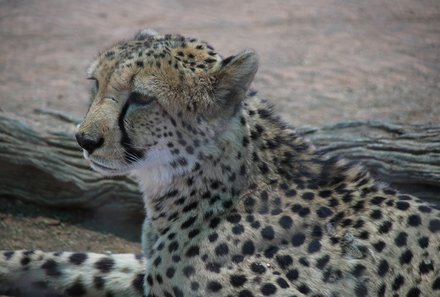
41,162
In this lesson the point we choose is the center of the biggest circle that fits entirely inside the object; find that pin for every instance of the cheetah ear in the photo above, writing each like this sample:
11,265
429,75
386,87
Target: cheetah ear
145,34
234,77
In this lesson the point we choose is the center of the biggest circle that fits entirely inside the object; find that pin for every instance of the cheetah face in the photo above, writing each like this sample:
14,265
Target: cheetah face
124,129
159,102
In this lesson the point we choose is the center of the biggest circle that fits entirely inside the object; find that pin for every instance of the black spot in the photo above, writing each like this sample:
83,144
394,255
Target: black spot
303,288
402,205
28,253
414,292
268,289
359,270
321,262
284,261
331,275
359,205
282,283
385,227
173,246
303,212
401,239
360,290
285,222
325,193
308,196
192,251
434,225
188,271
191,234
214,286
25,261
77,258
105,264
157,261
213,267
406,257
237,259
292,274
8,254
425,268
188,222
398,282
271,251
248,248
377,200
268,233
382,290
98,282
221,249
383,268
195,286
234,218
170,272
213,237
258,268
51,268
245,293
214,222
138,283
324,212
425,208
314,246
376,214
414,220
298,239
379,246
177,292
364,235
436,284
423,242
237,280
77,289
191,206
263,168
150,280
290,193
238,229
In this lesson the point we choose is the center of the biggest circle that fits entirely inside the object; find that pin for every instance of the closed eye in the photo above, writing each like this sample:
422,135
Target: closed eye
139,99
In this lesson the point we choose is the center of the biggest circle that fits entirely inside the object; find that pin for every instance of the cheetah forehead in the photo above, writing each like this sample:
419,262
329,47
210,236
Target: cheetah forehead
186,55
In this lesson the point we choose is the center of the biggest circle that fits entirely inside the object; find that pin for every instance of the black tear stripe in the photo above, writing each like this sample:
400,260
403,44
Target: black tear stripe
130,152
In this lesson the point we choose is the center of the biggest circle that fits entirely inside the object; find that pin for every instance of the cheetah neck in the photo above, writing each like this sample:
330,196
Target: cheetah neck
256,150
206,186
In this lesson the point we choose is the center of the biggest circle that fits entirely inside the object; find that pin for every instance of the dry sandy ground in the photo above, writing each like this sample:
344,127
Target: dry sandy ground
321,62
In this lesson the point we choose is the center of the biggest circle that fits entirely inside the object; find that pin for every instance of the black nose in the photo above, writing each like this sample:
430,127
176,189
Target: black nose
87,142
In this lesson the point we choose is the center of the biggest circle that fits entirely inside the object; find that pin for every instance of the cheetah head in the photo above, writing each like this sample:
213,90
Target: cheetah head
160,102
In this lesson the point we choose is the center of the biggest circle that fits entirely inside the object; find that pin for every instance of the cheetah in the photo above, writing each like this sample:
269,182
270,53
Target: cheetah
236,202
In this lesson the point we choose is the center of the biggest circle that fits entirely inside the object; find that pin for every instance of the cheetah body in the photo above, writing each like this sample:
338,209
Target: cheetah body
237,204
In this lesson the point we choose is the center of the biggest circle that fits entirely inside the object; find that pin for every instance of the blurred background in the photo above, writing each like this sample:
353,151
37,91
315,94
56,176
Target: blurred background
321,62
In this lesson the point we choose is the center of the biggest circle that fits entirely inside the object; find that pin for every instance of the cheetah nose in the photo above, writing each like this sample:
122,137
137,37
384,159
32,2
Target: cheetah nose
89,143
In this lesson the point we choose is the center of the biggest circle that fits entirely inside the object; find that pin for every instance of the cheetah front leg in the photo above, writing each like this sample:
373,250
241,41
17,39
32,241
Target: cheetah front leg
37,273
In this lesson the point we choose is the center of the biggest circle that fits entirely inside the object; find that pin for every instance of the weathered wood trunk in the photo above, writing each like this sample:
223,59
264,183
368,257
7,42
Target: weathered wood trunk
405,156
41,162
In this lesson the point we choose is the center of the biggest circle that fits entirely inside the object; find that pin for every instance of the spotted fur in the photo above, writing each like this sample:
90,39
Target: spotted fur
237,204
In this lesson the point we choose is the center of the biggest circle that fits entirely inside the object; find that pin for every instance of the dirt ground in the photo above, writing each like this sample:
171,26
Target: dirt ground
321,62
